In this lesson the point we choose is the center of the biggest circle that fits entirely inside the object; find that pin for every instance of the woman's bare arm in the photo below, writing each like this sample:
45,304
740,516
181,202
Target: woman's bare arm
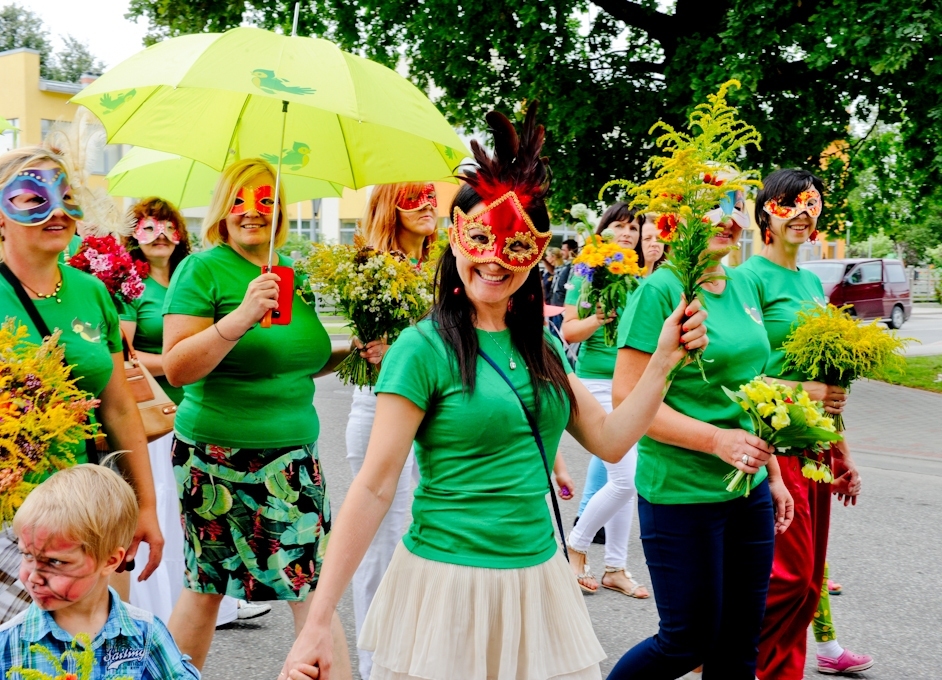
672,427
154,363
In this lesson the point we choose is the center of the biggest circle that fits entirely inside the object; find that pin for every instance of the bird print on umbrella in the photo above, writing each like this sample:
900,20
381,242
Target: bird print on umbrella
110,104
296,157
266,81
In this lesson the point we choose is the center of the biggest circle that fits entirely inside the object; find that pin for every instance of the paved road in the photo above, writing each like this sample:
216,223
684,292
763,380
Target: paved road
886,551
925,325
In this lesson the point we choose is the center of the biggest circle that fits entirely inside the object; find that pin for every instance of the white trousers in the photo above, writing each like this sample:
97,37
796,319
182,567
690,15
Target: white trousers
613,505
371,570
159,593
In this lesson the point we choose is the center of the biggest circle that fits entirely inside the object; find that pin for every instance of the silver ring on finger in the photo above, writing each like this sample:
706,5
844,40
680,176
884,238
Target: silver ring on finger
745,459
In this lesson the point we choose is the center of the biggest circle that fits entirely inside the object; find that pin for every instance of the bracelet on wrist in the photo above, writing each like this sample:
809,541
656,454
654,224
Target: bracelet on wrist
216,326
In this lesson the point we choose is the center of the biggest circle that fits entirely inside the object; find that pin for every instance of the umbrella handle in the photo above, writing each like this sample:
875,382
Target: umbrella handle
277,211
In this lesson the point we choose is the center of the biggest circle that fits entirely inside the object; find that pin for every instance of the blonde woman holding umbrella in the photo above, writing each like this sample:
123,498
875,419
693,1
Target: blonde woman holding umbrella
254,499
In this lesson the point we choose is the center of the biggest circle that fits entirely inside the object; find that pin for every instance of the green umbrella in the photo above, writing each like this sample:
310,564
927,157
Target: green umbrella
188,183
5,125
218,97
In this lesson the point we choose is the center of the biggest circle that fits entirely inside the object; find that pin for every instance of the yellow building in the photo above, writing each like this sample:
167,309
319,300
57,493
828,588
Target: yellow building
34,104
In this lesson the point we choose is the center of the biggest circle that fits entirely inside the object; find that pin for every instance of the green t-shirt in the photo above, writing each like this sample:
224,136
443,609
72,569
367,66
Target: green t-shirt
481,499
148,313
596,360
261,395
738,351
74,244
89,323
782,293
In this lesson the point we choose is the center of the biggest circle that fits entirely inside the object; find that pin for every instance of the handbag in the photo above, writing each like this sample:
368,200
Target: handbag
94,444
535,431
157,409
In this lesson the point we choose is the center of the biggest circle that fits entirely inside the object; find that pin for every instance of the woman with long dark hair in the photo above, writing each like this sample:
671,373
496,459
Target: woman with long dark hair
610,504
478,587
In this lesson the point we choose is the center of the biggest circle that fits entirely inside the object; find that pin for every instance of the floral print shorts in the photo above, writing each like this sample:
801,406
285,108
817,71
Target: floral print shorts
256,521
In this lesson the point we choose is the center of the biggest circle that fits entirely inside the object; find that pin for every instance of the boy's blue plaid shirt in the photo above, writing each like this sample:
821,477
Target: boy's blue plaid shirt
132,643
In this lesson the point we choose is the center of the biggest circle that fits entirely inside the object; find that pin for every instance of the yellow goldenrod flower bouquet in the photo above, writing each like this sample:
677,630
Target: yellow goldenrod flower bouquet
685,188
828,345
790,421
80,661
609,273
43,415
379,294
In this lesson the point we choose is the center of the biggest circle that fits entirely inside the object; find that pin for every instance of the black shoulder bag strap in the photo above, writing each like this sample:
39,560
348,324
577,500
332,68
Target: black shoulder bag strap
25,300
535,430
90,450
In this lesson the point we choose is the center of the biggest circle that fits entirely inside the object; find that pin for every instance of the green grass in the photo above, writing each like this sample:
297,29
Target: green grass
924,373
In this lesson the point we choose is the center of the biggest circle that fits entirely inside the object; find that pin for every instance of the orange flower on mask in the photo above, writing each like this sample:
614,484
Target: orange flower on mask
666,226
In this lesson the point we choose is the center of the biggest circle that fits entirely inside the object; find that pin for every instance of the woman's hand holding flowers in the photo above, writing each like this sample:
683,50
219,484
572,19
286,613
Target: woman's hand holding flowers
603,318
832,396
742,450
683,331
373,351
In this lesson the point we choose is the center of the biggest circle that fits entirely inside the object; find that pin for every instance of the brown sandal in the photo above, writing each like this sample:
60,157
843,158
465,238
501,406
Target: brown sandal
631,591
586,572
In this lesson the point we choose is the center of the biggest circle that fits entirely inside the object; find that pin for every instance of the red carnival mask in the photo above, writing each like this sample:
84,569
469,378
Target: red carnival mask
254,199
502,233
808,201
411,201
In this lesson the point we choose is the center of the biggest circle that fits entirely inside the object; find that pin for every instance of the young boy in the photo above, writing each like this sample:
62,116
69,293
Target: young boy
74,530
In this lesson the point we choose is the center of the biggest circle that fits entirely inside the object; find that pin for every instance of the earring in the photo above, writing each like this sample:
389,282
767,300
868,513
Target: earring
510,305
814,236
531,298
768,236
457,290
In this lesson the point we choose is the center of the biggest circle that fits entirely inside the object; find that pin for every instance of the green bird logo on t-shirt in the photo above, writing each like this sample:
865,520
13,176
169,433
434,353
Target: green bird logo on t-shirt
753,314
86,330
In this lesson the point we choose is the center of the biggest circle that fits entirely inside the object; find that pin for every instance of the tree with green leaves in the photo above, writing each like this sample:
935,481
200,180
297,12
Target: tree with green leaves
20,27
606,71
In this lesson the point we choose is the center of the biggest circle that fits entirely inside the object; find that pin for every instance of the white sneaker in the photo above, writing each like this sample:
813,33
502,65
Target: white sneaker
252,610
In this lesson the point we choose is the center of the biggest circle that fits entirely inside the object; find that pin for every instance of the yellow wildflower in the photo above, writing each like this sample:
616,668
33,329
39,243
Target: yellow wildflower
780,418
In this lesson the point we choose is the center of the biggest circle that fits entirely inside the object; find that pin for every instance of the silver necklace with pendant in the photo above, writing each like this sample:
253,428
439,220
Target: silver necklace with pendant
510,357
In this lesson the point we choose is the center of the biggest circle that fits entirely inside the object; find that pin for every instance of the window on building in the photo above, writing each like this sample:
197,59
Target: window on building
10,138
45,126
347,229
307,230
106,158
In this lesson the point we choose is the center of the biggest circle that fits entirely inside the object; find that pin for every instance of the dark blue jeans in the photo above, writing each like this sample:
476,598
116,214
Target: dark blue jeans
710,565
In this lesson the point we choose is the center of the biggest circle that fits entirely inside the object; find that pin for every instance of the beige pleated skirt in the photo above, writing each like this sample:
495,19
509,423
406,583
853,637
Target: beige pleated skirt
437,621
